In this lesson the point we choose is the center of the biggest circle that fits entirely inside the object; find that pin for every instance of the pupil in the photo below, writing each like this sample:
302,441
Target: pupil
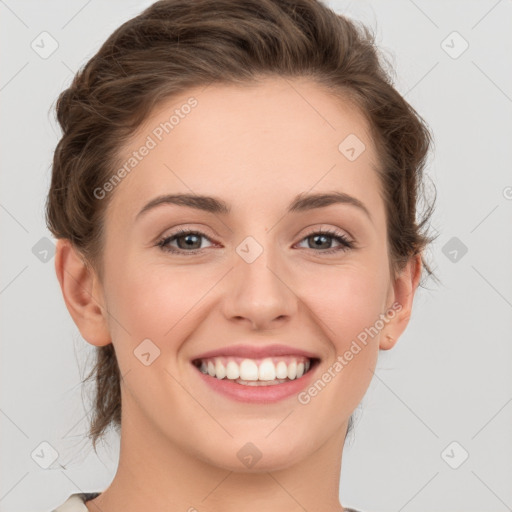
189,242
316,237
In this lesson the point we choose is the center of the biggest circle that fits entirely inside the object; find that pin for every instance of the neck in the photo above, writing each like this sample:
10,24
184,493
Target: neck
154,473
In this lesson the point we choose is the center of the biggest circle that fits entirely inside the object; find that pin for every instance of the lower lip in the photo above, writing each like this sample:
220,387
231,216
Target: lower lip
257,394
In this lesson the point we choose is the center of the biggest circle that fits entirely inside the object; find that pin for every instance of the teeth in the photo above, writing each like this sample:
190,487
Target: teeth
292,370
281,370
248,370
251,372
259,382
267,371
220,370
232,370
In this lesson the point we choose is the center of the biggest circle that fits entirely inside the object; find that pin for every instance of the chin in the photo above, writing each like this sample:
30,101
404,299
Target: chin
255,453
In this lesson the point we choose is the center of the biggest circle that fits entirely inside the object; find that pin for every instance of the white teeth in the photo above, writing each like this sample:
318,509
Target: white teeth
259,382
269,370
248,370
292,370
232,370
220,371
281,370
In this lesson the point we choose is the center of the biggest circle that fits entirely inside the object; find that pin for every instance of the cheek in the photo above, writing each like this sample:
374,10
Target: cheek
346,299
347,302
342,302
152,301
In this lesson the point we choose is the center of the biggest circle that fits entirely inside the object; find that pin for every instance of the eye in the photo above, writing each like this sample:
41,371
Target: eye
319,238
191,241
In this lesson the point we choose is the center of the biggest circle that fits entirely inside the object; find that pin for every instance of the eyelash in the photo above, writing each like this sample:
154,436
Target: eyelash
162,243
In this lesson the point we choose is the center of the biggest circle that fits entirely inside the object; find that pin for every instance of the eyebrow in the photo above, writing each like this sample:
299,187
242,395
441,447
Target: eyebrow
301,203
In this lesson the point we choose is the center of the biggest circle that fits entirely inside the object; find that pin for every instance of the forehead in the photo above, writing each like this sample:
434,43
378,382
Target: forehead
252,141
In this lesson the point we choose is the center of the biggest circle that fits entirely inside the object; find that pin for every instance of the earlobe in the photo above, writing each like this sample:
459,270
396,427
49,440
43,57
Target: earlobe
387,342
404,289
82,295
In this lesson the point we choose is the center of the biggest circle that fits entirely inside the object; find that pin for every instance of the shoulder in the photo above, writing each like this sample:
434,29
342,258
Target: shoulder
76,502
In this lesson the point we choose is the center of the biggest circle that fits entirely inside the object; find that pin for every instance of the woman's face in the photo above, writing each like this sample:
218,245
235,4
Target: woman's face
256,276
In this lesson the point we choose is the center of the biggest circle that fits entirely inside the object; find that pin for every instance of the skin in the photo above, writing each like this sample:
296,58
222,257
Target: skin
256,147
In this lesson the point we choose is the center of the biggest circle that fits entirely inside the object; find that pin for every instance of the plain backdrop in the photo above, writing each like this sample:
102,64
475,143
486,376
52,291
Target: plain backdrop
433,430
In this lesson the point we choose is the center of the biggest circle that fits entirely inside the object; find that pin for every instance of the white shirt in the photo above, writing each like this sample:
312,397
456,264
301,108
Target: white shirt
76,502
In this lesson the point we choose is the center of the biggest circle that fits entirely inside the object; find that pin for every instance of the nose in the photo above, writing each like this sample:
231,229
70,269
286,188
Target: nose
259,293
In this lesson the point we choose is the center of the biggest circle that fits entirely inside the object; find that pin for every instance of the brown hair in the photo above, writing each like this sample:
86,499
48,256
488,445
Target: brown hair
177,44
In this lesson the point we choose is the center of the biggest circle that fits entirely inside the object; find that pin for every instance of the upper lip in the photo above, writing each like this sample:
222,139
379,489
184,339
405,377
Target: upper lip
257,352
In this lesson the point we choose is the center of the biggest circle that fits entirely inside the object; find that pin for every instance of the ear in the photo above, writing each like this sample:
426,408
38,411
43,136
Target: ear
82,294
401,300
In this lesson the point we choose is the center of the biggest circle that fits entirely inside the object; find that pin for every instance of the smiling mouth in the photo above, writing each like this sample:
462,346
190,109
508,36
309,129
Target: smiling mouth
268,371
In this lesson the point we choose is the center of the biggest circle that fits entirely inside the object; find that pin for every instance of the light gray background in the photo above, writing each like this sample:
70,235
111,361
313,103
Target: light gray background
448,379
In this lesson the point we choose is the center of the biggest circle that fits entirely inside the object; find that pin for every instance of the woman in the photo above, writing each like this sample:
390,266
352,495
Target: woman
235,199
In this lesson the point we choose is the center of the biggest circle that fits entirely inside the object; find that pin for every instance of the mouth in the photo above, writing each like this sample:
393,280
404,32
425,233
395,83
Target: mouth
260,372
256,374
